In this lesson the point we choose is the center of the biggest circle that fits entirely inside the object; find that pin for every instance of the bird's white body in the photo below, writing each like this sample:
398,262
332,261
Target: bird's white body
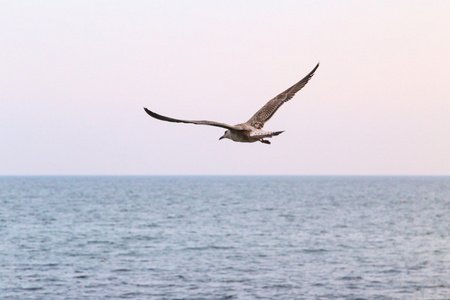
250,135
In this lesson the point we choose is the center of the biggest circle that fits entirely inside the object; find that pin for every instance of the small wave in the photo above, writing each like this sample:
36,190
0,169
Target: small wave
318,284
143,285
150,225
31,289
319,250
121,270
279,286
236,280
51,265
100,242
208,248
131,295
140,238
391,271
351,278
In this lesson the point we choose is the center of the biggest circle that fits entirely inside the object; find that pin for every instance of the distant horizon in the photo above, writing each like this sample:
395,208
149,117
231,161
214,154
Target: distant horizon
227,175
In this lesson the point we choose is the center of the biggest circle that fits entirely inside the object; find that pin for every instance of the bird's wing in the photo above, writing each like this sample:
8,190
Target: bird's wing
210,123
266,112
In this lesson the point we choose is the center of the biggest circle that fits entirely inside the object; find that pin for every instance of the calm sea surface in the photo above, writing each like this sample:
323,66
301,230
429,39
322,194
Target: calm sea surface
225,237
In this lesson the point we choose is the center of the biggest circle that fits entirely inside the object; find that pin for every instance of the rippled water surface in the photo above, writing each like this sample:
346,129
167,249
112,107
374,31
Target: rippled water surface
225,237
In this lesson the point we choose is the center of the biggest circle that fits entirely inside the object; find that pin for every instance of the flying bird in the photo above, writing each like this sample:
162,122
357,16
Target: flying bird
250,131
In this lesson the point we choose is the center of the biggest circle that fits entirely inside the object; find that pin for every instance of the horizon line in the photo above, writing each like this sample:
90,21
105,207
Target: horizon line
224,175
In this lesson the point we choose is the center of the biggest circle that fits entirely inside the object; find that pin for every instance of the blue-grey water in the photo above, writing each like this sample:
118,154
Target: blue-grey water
236,237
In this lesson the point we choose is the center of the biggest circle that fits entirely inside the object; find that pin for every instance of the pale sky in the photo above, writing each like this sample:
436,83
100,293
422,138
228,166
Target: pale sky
74,76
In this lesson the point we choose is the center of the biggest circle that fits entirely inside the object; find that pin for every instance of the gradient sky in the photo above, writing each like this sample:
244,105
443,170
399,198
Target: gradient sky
74,76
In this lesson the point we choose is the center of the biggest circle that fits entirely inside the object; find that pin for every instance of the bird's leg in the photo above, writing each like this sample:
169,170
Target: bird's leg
264,141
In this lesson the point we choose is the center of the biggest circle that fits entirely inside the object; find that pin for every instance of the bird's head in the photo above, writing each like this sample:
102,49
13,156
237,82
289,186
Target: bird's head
226,135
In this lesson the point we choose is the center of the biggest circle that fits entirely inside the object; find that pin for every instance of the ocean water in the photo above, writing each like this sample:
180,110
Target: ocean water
224,237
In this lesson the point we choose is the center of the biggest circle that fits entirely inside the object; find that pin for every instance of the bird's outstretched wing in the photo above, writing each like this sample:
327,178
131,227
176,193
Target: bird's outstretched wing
210,123
267,111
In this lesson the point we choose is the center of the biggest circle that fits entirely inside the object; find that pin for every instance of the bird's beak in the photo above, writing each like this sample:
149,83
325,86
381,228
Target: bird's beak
221,137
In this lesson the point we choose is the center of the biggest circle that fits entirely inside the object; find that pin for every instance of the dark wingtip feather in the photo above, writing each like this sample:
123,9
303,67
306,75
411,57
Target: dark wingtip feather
315,68
154,115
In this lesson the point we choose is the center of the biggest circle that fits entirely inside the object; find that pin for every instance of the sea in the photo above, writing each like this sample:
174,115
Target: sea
224,237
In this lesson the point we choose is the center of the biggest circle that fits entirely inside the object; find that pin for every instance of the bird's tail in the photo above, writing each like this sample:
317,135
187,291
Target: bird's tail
275,133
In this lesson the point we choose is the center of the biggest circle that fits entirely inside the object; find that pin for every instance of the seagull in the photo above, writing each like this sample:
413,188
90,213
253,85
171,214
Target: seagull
250,131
